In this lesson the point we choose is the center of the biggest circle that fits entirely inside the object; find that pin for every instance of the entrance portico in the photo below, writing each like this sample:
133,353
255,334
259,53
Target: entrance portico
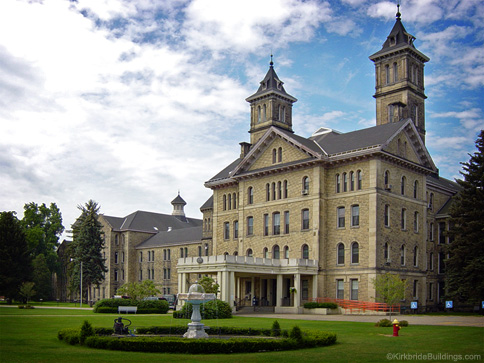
242,278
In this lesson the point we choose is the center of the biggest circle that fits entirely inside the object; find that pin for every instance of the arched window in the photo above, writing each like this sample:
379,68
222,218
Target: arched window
305,252
402,255
431,232
338,183
386,252
340,260
431,261
286,252
395,72
355,253
387,74
386,180
249,252
181,252
345,182
274,156
279,154
234,198
415,256
276,252
230,201
352,181
279,190
265,252
285,189
224,198
415,222
305,184
273,191
431,202
402,186
264,113
359,179
387,215
268,192
250,195
404,219
206,249
226,230
259,114
415,189
283,116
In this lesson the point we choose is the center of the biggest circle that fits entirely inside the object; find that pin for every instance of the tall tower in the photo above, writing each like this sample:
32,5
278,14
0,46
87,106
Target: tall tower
399,70
178,205
270,106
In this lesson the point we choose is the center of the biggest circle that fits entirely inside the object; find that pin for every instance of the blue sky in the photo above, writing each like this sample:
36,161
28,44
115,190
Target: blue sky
129,102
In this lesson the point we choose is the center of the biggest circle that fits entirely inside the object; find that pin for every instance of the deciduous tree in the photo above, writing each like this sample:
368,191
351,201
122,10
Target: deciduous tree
138,290
15,262
390,288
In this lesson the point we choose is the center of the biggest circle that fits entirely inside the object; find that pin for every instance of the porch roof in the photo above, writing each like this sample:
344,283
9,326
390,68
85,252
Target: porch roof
244,264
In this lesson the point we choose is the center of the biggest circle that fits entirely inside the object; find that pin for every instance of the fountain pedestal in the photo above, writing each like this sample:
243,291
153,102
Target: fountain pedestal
196,295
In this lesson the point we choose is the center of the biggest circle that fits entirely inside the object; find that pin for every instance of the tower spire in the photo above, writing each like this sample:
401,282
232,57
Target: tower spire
398,11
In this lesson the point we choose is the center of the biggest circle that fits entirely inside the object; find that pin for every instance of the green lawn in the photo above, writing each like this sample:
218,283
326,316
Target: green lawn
31,336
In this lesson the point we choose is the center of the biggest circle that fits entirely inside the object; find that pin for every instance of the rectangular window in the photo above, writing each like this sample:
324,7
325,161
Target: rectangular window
226,230
354,289
431,291
415,289
355,215
340,290
404,219
341,217
442,233
387,215
276,223
441,263
305,219
236,229
305,289
431,232
250,226
266,224
115,257
286,222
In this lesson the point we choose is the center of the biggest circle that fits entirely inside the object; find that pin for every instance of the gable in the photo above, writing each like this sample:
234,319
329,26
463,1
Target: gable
284,152
401,146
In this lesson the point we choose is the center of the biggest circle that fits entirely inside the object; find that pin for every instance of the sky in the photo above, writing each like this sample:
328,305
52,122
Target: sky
130,102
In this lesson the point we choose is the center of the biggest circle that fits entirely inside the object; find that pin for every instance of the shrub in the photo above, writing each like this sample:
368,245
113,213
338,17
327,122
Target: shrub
403,323
384,323
86,331
215,309
144,307
69,335
296,333
276,329
316,305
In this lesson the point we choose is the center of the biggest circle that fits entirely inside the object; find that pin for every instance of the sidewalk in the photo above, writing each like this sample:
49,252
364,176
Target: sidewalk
451,320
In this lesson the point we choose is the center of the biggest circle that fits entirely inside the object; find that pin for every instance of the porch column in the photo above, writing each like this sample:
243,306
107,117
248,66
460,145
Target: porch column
225,286
315,287
252,289
297,295
232,288
219,282
279,291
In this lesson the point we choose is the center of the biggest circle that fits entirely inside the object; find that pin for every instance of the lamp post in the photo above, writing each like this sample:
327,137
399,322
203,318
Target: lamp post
81,287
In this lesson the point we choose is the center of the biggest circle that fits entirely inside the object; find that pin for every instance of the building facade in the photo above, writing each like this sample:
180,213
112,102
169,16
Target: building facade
295,218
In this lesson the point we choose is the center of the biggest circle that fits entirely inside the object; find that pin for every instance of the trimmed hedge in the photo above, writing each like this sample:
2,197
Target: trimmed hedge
215,309
201,346
110,306
316,305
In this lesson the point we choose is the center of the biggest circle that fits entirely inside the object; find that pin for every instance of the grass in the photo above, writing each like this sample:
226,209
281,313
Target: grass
31,336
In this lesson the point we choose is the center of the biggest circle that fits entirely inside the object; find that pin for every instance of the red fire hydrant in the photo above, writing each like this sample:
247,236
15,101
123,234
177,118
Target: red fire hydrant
396,328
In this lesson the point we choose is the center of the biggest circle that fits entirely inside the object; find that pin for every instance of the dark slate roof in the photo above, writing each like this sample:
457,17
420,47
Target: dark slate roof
150,222
445,210
178,200
208,204
225,172
444,183
271,84
175,236
334,143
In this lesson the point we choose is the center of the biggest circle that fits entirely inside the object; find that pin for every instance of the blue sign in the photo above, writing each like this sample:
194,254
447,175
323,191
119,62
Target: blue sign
413,305
449,304
482,304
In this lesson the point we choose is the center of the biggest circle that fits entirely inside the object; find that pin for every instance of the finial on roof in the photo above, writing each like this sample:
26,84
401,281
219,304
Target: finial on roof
398,11
271,63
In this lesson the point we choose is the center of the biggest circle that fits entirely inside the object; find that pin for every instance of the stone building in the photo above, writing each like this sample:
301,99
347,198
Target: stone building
296,217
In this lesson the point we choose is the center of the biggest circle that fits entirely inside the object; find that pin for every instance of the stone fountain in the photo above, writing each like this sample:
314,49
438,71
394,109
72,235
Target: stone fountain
196,295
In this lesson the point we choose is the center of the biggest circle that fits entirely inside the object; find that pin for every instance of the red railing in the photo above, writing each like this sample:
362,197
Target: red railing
359,305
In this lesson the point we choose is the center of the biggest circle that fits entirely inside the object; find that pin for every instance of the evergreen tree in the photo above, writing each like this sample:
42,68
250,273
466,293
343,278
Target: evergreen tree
465,265
15,261
42,277
86,249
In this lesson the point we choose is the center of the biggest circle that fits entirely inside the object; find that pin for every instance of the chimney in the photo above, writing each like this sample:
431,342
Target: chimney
244,149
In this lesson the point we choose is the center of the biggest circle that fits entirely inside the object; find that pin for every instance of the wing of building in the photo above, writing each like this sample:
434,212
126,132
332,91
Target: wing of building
295,218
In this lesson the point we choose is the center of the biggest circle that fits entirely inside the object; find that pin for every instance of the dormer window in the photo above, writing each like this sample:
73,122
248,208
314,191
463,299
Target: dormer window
392,41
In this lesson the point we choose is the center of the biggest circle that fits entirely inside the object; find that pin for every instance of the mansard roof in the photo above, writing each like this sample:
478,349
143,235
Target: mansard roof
397,40
174,236
150,222
269,85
